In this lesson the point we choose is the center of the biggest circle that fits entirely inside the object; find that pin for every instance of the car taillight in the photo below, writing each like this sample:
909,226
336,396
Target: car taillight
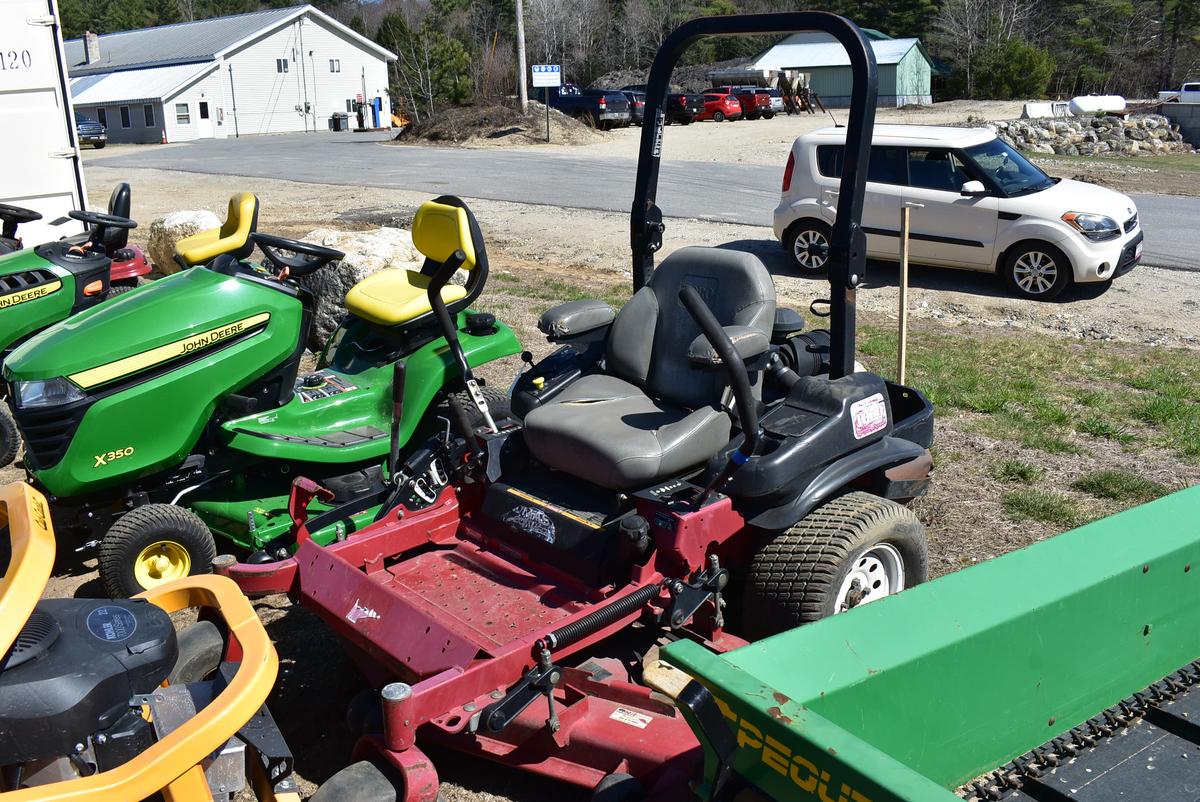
603,102
683,101
787,171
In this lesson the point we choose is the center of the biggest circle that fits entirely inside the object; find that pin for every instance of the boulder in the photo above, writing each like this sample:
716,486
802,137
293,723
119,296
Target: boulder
1039,147
366,252
167,230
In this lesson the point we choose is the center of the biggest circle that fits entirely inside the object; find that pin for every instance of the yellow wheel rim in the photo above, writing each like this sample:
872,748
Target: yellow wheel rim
161,562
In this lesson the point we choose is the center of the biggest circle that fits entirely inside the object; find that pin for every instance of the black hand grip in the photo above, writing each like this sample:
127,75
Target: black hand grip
739,377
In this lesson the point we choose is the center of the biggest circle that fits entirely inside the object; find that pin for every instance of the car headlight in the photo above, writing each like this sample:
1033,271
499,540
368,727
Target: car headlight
1096,227
48,393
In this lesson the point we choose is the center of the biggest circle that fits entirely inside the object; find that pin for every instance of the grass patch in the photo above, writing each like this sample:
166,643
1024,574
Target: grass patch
1041,505
1102,427
1016,470
1119,486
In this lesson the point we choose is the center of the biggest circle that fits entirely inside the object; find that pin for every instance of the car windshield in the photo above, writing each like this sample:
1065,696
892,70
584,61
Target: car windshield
1015,174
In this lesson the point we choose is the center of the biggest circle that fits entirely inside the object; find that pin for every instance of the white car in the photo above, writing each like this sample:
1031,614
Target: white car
982,206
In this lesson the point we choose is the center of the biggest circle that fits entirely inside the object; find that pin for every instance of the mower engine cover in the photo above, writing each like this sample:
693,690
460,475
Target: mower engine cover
73,669
123,390
34,293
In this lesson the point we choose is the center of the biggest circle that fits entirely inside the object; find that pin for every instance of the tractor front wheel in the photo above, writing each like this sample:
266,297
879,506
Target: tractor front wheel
10,438
852,550
151,545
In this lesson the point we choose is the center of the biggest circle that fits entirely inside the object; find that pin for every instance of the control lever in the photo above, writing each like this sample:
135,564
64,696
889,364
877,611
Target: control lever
538,681
688,597
450,332
398,373
739,379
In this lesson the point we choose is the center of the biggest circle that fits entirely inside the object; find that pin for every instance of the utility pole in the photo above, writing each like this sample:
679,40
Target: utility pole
522,90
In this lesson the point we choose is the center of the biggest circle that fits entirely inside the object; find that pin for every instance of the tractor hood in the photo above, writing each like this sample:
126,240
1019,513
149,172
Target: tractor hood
167,320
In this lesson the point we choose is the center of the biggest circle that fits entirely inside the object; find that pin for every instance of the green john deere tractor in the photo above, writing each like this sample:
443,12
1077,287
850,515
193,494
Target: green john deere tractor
181,411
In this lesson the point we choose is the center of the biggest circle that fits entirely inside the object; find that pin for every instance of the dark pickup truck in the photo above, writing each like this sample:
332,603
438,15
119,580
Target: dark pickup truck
683,109
600,108
90,131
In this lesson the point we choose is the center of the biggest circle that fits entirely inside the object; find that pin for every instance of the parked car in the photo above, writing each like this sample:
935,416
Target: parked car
984,207
601,108
720,107
634,88
90,131
776,99
637,105
683,108
1188,93
753,104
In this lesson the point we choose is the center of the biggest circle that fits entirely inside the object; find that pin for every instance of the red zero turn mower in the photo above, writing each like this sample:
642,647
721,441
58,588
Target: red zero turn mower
697,466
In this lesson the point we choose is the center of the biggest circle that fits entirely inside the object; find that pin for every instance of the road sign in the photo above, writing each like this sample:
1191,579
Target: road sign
547,75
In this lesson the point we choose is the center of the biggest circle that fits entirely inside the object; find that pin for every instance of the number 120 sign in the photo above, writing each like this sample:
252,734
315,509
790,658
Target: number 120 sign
547,75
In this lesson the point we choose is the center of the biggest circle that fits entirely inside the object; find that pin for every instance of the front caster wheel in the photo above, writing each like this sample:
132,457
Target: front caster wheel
366,781
151,545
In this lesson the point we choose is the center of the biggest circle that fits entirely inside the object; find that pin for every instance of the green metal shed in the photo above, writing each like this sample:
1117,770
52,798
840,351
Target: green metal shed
905,68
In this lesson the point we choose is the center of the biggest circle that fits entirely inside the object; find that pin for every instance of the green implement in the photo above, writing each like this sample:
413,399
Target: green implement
1052,657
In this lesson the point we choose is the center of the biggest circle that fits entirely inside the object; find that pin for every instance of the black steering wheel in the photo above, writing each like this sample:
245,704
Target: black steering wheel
101,220
17,214
306,257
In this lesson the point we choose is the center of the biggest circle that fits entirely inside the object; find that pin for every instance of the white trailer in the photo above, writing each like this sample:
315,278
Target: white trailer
42,169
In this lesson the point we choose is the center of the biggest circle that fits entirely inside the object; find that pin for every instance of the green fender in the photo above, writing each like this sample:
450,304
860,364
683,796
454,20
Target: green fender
24,311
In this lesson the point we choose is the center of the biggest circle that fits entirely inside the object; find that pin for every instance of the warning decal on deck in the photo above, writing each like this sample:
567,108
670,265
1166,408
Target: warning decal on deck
631,717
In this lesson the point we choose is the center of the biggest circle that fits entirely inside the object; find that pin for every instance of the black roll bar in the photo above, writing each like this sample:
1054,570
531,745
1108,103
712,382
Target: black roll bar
847,251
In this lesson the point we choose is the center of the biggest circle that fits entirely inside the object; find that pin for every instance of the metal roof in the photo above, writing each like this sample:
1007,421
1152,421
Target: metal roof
193,42
136,86
181,43
815,49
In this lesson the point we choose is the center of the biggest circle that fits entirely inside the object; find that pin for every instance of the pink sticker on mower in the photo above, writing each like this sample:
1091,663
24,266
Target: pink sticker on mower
868,416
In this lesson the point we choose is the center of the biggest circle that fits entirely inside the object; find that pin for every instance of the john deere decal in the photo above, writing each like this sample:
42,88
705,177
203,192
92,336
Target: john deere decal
104,374
14,298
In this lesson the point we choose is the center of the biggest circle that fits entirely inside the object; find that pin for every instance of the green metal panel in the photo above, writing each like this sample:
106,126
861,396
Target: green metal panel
912,76
228,514
958,676
26,311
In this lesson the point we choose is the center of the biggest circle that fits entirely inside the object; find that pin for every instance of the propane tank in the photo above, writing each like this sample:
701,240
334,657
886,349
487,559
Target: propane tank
1097,104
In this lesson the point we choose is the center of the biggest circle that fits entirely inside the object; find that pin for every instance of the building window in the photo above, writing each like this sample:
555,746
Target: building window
102,116
335,65
203,110
148,115
124,116
349,106
182,115
281,65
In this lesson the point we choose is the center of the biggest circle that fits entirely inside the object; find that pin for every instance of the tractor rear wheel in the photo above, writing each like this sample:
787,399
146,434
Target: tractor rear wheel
151,545
10,438
852,550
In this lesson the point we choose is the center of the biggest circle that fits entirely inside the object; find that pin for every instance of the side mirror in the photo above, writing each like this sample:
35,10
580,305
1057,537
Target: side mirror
973,189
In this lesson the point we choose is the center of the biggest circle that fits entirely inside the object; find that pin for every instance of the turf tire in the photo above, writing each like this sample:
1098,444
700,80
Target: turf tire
499,404
139,528
118,289
364,781
794,576
201,647
10,439
618,787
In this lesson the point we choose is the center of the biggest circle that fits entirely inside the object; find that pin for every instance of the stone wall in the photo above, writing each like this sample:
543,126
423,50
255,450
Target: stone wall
1088,136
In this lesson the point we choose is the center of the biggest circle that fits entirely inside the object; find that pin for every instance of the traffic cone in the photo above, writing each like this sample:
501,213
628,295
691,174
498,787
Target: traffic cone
164,137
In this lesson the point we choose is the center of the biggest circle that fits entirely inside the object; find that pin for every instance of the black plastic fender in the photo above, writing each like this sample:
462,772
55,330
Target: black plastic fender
880,454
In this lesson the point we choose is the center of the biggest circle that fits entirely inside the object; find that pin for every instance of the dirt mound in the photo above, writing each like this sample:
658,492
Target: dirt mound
688,78
489,126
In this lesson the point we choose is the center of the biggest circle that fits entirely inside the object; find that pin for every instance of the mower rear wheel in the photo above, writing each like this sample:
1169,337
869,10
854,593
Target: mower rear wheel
364,781
618,788
852,550
119,289
151,545
201,647
10,438
499,404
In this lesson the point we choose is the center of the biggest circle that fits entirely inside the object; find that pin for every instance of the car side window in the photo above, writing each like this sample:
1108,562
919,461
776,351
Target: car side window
936,168
886,166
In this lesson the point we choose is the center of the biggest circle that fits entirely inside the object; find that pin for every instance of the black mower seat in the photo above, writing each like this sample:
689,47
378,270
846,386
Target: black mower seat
396,297
654,415
114,238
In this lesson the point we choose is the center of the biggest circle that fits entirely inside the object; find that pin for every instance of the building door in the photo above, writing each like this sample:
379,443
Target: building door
204,126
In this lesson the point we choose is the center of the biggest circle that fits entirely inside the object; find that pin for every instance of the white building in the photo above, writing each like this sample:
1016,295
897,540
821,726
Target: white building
272,71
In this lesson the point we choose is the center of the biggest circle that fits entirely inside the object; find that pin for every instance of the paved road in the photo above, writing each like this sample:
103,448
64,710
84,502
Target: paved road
737,193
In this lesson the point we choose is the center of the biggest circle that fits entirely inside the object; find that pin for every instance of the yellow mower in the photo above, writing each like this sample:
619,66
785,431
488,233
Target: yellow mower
104,701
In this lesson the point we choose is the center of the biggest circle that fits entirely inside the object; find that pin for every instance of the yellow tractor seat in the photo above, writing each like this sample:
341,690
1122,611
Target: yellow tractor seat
393,297
233,237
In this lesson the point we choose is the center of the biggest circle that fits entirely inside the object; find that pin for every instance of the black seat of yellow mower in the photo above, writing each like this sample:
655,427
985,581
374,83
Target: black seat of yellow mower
397,297
233,237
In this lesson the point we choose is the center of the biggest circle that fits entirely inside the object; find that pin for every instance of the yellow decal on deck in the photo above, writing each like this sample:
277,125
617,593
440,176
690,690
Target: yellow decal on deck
164,353
807,776
14,298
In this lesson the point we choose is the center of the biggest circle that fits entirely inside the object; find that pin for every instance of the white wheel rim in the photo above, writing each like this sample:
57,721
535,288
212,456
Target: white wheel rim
875,574
1035,272
811,249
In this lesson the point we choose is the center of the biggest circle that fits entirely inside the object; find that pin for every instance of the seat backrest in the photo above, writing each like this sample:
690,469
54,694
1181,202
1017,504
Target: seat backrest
120,204
442,226
649,341
233,237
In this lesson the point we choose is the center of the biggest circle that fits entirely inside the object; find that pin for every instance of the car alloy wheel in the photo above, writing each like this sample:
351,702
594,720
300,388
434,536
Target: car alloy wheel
811,249
1035,272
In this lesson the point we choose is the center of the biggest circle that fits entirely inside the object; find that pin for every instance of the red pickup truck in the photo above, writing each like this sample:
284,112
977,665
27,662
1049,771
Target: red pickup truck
754,104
